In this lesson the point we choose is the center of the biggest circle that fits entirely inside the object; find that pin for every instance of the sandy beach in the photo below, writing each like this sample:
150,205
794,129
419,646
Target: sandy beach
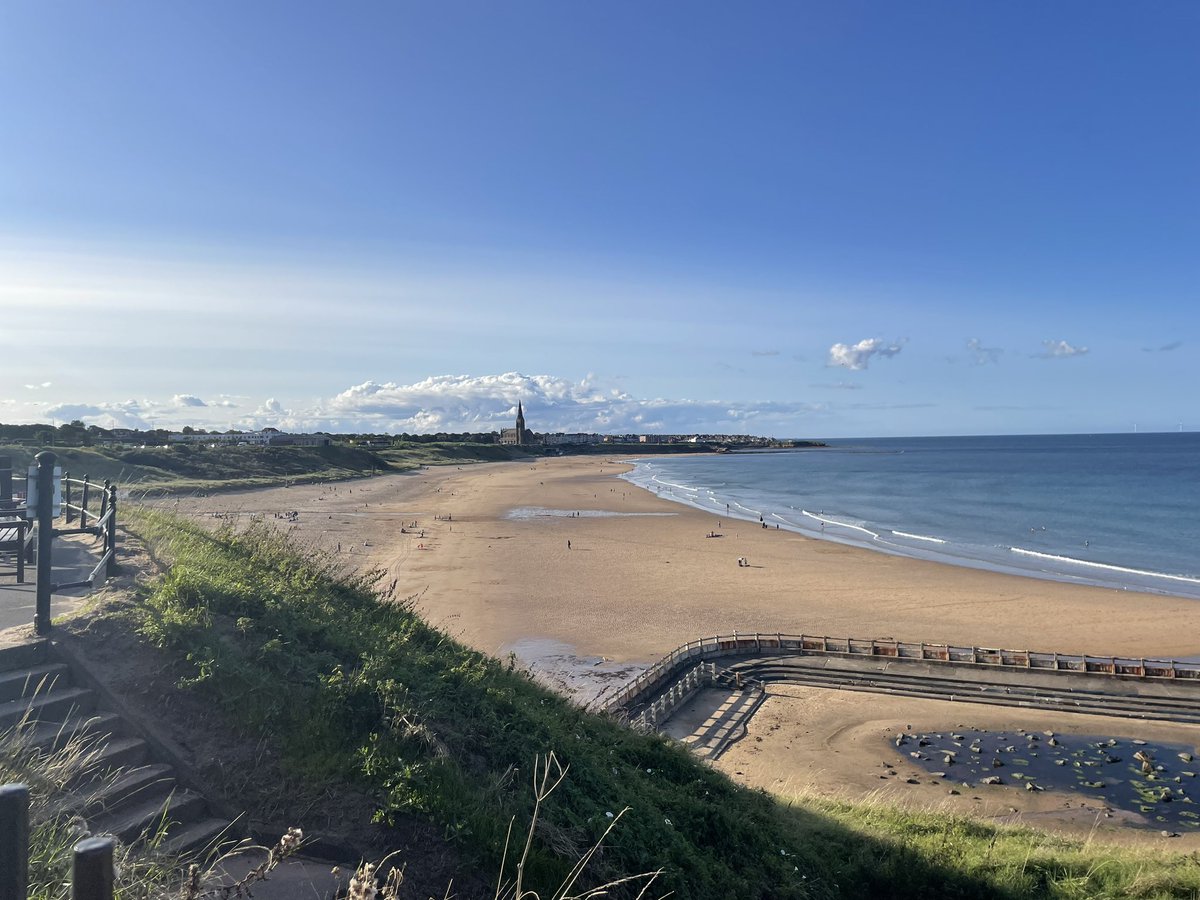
582,574
641,576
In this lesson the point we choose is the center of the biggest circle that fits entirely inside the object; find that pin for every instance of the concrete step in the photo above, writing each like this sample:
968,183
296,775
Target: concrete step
298,878
120,790
26,682
135,785
963,692
200,839
87,727
115,753
144,819
53,705
23,655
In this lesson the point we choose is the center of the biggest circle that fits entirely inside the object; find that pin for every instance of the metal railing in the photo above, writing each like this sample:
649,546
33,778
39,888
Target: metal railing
97,514
103,522
739,644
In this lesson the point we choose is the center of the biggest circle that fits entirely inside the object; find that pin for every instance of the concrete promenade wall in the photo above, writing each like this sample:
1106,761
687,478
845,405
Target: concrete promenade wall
1119,676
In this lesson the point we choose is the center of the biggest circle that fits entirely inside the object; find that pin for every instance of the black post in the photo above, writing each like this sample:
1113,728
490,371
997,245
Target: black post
14,842
6,500
45,538
112,531
21,526
67,495
92,869
82,503
104,498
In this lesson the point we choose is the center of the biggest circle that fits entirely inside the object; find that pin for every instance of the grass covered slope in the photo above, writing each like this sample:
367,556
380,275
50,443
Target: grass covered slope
359,690
185,467
180,468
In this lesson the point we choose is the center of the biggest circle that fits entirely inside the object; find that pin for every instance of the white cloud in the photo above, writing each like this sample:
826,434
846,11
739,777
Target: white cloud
858,356
38,387
456,403
123,414
1060,350
981,355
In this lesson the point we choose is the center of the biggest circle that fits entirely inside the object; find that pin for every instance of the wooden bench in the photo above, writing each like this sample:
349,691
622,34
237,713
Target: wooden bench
14,530
14,536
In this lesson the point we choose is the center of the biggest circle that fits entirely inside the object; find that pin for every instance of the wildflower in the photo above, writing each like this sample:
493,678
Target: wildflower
668,822
362,884
608,815
291,841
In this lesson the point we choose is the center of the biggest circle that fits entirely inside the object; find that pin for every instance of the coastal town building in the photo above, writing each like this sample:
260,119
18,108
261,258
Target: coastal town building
268,437
573,438
519,436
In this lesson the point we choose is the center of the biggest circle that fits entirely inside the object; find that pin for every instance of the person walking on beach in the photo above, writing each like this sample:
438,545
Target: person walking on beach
568,545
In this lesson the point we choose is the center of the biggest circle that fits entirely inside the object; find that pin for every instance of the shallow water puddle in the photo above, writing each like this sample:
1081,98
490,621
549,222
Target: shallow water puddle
1154,780
538,512
584,678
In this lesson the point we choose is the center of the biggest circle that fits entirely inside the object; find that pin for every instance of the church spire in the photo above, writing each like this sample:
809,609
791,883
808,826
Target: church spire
520,423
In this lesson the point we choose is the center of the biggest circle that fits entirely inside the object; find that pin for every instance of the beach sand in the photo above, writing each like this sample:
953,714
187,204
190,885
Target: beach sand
839,745
640,577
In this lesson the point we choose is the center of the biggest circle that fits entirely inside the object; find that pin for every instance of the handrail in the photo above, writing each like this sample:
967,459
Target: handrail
742,642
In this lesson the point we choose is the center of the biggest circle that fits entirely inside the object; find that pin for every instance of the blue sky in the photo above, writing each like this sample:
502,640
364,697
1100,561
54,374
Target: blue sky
799,219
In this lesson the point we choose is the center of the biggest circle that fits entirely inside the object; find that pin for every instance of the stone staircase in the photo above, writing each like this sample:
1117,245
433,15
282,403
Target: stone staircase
123,790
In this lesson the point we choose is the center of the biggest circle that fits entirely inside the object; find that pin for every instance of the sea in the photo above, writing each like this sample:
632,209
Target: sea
1115,510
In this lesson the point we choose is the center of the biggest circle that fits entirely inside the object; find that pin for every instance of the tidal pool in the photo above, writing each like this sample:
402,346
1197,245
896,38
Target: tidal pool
1154,780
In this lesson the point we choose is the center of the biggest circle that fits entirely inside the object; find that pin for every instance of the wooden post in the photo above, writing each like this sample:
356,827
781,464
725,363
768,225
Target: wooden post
45,520
92,869
14,842
111,569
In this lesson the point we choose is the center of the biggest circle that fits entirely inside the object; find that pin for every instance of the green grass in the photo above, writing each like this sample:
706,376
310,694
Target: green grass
361,690
183,467
408,455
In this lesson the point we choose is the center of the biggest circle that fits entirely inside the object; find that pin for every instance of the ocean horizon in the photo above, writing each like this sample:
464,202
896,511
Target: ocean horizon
1110,510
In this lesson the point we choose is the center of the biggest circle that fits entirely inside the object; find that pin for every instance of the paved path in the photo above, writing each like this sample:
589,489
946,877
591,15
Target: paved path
74,558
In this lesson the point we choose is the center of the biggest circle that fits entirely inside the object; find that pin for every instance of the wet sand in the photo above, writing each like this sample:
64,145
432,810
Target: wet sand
841,745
